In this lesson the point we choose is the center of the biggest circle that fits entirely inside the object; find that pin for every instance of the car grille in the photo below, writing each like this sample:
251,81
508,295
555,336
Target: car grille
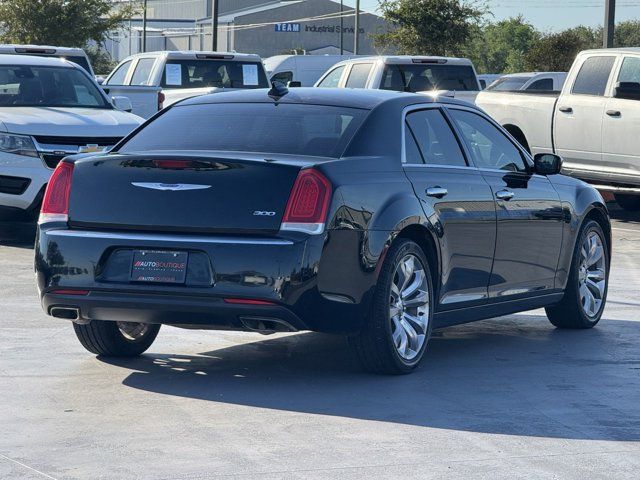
13,185
54,149
53,159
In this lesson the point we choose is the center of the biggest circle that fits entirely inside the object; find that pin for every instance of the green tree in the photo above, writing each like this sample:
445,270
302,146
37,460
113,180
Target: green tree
556,51
429,27
500,47
65,23
627,34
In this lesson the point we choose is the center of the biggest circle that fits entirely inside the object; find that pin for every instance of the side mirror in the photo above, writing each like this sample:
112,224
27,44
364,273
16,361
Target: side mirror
99,79
627,90
547,164
294,84
122,103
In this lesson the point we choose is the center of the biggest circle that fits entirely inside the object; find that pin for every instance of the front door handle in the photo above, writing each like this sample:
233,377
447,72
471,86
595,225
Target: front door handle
614,113
437,192
505,195
566,109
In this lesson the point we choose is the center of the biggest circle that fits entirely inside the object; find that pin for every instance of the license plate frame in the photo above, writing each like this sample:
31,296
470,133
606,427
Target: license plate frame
159,266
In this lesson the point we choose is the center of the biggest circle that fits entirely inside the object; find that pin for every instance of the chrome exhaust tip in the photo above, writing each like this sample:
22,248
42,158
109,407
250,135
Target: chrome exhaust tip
266,326
66,313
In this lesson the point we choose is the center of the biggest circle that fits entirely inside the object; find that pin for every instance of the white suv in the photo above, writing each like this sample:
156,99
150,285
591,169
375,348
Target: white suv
49,108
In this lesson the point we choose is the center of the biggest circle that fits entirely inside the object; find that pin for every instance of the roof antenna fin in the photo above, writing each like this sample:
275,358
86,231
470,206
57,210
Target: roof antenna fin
278,90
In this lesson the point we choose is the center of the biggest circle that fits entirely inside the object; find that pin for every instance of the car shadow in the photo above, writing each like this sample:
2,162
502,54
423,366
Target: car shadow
513,376
623,216
18,234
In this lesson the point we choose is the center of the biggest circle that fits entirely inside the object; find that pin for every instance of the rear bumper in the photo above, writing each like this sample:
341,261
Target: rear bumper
281,270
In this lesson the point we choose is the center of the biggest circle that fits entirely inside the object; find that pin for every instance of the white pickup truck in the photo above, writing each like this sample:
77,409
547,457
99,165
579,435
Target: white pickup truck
156,79
594,123
454,77
49,109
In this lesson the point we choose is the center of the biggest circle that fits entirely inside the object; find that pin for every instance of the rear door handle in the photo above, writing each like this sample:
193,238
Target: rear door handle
505,195
614,113
437,192
566,109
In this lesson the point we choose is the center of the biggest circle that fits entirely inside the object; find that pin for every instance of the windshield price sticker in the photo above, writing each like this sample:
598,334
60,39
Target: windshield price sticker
250,74
173,74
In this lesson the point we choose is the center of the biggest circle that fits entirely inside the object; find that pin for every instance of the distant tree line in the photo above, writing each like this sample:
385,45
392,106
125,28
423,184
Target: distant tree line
463,28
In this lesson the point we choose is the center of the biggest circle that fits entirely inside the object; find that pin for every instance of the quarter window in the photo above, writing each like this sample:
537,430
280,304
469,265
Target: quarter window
593,76
358,75
437,143
542,84
142,71
332,79
118,77
630,70
488,146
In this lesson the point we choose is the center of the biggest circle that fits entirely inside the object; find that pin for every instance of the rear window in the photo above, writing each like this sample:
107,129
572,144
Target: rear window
295,129
424,77
213,73
505,84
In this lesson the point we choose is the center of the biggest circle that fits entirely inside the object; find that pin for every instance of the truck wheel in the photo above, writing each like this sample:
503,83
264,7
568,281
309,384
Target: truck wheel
398,329
631,203
116,339
586,292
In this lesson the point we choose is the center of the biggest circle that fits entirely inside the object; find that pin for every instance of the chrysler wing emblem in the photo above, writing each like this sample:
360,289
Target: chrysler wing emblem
175,187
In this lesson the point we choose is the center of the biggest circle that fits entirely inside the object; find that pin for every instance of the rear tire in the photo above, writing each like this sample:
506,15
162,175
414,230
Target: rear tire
630,203
396,333
116,339
586,292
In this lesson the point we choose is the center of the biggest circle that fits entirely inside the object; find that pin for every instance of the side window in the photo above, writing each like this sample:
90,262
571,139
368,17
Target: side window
411,153
489,147
593,76
630,70
542,84
282,77
358,75
142,71
393,79
435,138
332,79
118,76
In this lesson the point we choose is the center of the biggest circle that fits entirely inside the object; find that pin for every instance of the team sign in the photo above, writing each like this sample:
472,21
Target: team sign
287,27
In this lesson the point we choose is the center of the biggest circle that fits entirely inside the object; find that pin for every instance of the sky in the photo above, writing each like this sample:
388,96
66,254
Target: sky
552,15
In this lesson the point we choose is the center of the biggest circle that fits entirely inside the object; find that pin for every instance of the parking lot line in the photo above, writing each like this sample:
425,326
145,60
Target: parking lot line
27,467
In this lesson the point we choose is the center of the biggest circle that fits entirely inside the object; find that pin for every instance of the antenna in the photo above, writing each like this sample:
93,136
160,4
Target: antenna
278,90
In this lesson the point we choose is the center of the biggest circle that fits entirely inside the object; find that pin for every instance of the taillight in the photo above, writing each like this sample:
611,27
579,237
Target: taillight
160,100
308,203
55,206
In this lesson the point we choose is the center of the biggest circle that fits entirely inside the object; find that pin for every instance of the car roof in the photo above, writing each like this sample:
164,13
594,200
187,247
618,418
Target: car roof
409,59
341,97
35,61
614,51
189,54
68,50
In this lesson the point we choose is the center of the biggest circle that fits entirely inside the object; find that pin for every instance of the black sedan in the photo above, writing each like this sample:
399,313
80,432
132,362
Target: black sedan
378,215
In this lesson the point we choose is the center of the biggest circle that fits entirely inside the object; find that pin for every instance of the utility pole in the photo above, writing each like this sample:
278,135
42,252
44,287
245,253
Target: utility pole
214,25
609,22
356,38
144,26
341,27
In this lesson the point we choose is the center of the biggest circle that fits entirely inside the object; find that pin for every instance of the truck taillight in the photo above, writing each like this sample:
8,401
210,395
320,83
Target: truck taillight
308,203
55,205
160,101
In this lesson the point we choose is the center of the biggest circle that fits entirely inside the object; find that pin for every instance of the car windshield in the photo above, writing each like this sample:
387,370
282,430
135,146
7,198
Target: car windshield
295,129
213,73
34,86
423,77
508,83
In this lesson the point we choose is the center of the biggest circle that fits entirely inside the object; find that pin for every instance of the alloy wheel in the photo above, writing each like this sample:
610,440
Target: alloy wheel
132,330
592,275
409,307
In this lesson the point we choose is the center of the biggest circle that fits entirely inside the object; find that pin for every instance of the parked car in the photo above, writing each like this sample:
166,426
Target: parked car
49,108
302,69
592,123
486,79
379,215
455,77
75,55
533,81
156,79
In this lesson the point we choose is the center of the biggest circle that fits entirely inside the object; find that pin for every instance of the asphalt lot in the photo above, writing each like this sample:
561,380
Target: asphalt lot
504,398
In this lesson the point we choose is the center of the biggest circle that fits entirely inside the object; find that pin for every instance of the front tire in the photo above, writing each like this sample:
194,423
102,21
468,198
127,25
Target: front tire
586,292
630,203
116,339
398,329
